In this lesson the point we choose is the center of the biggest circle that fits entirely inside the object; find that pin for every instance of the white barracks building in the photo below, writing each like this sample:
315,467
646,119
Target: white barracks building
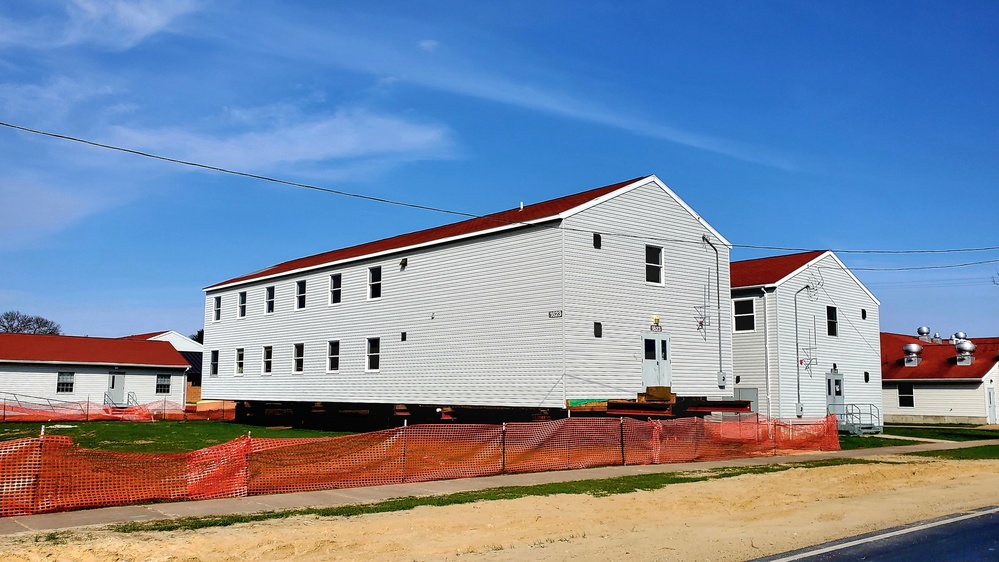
588,297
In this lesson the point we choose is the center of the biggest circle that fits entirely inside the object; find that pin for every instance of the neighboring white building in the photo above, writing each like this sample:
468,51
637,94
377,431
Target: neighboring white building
586,297
119,372
192,352
935,383
806,339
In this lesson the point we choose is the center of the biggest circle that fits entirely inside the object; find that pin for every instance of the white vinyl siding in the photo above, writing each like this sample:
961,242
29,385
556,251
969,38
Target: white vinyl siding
609,286
956,401
90,382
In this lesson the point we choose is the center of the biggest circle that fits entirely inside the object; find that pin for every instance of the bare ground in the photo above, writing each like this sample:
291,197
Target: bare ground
736,518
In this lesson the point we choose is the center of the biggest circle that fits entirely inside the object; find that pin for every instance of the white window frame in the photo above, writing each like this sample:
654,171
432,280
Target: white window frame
217,308
213,364
241,305
330,356
336,289
301,289
239,362
168,385
660,266
832,321
736,316
60,382
269,293
298,356
372,284
266,363
911,394
377,355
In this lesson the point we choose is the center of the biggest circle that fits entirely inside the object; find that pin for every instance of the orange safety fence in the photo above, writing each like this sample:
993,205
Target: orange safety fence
50,473
19,410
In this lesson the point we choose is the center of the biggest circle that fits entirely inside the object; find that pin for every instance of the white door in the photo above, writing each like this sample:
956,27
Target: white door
991,394
116,387
656,360
834,392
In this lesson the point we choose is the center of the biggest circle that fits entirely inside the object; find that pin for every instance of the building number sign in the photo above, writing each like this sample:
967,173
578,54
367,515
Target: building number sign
554,313
655,328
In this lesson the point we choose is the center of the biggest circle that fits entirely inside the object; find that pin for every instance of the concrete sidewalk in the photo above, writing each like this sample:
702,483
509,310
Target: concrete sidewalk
373,494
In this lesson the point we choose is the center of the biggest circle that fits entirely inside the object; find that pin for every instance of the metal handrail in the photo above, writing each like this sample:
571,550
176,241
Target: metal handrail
48,401
131,400
858,414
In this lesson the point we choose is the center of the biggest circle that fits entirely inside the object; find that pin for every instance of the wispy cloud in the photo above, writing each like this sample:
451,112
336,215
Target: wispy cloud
32,210
112,24
50,100
512,82
292,138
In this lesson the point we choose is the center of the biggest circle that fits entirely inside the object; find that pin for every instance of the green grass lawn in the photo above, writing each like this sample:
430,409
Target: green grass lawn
947,433
851,442
151,437
972,453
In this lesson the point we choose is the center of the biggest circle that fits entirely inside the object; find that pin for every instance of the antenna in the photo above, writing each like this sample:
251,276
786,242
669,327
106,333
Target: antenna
703,312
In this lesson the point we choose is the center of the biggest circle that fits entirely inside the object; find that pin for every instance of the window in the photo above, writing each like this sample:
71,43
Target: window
162,384
654,265
269,300
218,309
375,282
402,336
239,360
64,382
745,315
298,363
300,294
596,240
333,356
374,352
905,395
268,362
598,330
335,283
867,376
831,321
863,314
214,369
241,312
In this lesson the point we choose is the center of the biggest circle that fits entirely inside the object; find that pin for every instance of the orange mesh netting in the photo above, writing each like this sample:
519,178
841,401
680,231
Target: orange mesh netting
50,473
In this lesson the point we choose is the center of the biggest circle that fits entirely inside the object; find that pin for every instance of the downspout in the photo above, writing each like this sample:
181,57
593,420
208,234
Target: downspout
766,353
565,401
780,376
799,407
721,371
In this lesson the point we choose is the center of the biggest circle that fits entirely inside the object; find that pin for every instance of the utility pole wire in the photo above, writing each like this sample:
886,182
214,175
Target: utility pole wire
474,216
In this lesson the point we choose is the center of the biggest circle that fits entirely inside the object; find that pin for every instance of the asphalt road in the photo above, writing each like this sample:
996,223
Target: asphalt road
964,537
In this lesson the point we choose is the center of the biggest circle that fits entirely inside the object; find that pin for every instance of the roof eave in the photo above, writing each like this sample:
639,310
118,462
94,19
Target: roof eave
98,363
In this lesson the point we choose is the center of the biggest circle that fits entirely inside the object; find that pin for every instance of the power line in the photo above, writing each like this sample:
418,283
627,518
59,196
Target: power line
487,217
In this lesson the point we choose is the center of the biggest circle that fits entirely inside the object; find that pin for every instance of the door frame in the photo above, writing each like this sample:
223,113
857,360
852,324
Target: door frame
116,391
664,358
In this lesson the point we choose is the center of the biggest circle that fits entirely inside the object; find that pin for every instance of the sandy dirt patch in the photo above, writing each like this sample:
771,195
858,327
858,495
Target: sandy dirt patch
737,518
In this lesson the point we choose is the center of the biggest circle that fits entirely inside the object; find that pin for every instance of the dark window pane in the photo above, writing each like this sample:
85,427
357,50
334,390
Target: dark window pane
745,323
373,345
665,350
744,307
373,362
653,254
653,274
863,314
650,349
598,330
905,401
376,291
596,240
376,274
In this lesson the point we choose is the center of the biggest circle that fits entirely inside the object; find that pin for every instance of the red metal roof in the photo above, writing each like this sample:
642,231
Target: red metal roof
938,359
537,211
767,271
31,348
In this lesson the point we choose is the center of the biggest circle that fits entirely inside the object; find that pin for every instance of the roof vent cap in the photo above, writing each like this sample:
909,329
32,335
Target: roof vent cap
964,352
937,338
960,336
912,354
924,333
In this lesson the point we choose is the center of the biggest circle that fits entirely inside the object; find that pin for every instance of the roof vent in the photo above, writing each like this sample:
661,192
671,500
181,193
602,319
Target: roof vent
912,354
936,338
965,349
924,333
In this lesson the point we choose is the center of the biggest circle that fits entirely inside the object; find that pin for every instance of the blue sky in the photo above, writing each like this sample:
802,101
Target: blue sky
847,125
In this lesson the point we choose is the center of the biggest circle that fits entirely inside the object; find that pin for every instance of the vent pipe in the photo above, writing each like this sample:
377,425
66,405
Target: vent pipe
924,333
913,352
937,338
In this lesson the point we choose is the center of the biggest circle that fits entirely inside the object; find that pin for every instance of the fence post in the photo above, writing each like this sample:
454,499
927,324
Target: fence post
4,408
246,463
623,462
503,449
405,424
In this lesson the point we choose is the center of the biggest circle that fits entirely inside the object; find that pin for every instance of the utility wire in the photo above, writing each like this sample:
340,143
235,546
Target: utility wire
488,217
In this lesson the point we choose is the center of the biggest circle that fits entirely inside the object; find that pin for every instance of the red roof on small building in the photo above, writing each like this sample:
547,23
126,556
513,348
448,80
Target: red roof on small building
141,336
768,271
938,359
516,216
31,348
